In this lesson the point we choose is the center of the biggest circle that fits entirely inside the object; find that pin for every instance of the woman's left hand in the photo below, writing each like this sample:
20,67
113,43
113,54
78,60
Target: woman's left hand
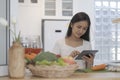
74,53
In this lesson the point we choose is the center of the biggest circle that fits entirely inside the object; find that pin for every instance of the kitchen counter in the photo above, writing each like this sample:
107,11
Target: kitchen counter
75,76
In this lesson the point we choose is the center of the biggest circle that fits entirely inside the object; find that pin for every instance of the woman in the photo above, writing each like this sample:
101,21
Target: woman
77,39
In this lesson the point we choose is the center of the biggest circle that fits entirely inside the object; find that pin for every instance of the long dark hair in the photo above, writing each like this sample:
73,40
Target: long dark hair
80,16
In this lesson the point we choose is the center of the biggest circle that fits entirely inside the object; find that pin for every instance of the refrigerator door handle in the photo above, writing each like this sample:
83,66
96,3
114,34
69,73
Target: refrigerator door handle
58,30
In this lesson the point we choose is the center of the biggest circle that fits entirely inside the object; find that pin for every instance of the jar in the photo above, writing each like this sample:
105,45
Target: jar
16,65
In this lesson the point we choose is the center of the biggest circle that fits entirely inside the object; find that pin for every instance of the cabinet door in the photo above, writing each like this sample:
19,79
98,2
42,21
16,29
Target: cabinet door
67,7
50,8
52,31
58,7
3,38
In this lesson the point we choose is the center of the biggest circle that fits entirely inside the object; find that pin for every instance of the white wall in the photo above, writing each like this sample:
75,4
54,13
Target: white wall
13,13
29,17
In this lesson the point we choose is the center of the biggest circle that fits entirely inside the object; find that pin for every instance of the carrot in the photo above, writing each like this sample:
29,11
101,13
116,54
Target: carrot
98,67
33,54
30,56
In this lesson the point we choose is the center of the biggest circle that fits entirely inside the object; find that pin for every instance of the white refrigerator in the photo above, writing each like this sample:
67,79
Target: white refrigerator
53,30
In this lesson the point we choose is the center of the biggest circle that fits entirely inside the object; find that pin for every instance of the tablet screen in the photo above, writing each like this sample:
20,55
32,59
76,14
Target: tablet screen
86,53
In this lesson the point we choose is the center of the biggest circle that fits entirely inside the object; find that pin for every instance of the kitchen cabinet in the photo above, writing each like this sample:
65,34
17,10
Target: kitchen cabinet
50,7
58,7
67,7
53,29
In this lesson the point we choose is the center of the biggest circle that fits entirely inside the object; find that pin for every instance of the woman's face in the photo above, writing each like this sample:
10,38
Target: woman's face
79,28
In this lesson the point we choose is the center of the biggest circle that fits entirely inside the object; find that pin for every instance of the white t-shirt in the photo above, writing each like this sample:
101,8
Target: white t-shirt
63,49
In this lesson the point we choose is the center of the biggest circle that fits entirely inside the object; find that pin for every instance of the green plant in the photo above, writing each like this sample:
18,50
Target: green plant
3,22
45,56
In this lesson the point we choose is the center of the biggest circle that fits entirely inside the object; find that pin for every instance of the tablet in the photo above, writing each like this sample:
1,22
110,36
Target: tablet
86,53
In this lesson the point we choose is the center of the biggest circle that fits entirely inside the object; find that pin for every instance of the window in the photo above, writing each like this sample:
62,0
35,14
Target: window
107,34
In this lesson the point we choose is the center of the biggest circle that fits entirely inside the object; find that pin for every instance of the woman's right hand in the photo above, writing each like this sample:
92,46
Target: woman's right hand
89,60
74,53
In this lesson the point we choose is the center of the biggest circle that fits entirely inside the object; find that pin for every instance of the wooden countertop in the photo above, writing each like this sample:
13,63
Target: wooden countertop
75,76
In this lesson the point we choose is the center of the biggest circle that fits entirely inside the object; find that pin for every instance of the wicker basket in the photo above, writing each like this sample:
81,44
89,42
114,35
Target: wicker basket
53,70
